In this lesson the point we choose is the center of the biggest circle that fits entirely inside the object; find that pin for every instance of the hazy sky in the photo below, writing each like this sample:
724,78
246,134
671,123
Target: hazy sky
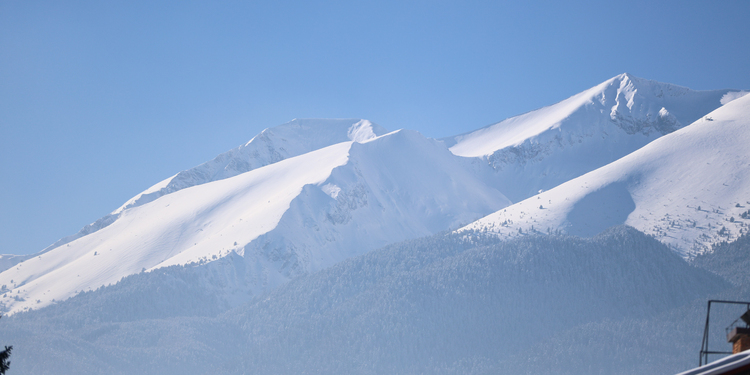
101,99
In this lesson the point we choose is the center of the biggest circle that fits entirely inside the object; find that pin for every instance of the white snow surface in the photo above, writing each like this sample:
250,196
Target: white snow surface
287,218
541,149
272,145
690,189
728,97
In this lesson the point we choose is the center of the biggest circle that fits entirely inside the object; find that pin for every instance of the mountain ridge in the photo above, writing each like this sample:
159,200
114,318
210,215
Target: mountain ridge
273,144
541,149
364,188
690,189
288,218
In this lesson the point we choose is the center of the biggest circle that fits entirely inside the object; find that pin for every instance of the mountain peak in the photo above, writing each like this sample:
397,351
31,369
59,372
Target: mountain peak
541,149
689,189
271,145
285,219
325,131
624,76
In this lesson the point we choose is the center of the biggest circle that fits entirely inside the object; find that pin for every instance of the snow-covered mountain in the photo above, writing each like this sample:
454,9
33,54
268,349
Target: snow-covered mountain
305,195
305,203
272,145
287,218
541,149
690,189
293,138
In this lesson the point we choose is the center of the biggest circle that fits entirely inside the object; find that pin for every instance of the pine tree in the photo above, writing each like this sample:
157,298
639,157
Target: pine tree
4,362
4,355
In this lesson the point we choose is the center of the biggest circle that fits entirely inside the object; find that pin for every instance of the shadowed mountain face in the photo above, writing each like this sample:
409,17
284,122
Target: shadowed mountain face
440,304
604,208
666,343
730,260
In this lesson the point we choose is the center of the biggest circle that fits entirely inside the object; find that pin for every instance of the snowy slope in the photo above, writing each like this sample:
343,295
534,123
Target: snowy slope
393,188
546,147
690,189
272,145
287,218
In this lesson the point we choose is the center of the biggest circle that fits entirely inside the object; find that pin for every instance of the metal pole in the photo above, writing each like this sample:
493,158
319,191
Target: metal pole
704,344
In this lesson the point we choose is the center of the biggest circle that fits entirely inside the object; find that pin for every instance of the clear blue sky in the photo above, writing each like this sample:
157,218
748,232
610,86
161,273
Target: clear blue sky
101,99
